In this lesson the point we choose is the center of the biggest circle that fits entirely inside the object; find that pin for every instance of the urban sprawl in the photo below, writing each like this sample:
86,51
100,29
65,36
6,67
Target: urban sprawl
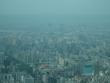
78,55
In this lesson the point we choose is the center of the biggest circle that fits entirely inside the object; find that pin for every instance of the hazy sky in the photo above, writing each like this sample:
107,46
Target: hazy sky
54,6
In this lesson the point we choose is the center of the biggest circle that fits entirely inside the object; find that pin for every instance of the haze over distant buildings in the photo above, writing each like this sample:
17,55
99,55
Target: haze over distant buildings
34,12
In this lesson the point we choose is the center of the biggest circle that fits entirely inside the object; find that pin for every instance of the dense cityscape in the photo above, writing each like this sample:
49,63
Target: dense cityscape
77,54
